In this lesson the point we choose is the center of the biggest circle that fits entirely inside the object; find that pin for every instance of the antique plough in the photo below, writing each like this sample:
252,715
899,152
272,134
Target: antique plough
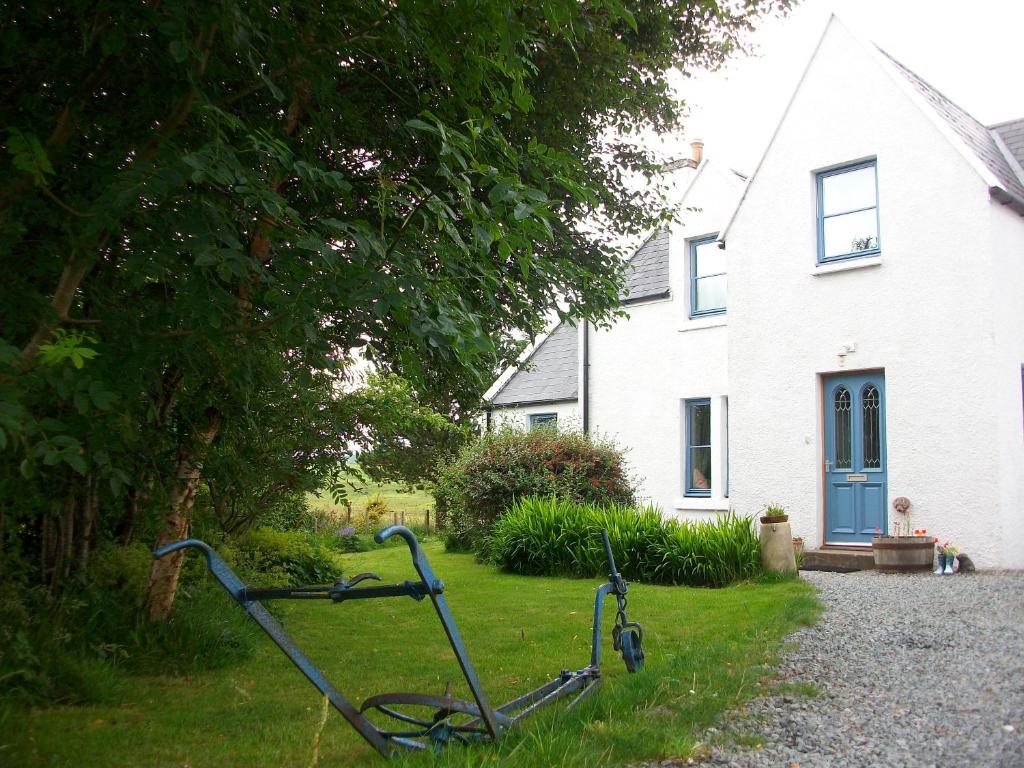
424,719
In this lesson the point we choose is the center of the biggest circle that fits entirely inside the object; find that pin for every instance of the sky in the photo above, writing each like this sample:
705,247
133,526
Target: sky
971,52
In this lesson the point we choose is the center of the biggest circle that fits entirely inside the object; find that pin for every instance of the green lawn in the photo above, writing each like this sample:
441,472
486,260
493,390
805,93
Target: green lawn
706,651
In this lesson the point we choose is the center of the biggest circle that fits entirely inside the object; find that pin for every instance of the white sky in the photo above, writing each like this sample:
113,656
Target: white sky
971,52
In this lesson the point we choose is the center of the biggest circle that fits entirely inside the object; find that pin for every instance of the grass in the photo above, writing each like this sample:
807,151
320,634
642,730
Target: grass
413,504
706,651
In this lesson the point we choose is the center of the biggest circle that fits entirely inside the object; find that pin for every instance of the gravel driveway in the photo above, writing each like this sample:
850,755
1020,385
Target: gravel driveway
912,671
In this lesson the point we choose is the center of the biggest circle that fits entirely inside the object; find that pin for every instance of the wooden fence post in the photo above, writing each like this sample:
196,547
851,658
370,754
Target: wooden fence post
428,520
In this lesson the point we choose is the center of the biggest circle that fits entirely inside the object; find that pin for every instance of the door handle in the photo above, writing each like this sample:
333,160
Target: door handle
828,465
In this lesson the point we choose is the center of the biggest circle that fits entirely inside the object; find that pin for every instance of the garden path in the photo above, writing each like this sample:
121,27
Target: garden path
909,671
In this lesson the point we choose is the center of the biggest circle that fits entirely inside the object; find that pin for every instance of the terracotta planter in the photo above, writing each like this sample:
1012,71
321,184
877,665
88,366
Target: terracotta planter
903,554
769,519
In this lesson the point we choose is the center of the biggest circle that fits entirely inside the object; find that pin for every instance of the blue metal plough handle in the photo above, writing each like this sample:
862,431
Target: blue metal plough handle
452,719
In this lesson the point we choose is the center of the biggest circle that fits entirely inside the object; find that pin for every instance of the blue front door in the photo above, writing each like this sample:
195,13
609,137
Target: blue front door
855,474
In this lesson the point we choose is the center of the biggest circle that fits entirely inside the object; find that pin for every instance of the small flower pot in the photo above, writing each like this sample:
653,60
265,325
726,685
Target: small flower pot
903,554
770,519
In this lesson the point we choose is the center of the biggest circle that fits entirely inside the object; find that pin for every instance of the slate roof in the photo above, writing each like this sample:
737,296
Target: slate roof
975,135
647,271
1012,135
549,374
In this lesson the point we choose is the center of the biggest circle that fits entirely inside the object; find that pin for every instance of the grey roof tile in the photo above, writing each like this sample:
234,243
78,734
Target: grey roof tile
974,134
548,374
1012,134
647,271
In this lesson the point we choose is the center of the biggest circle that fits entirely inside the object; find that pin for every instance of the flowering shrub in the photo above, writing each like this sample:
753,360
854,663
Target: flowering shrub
489,474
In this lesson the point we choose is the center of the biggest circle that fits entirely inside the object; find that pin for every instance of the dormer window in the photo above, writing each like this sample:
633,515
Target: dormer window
848,212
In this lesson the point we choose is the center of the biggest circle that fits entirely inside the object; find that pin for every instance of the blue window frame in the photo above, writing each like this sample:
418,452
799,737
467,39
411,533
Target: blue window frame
538,420
848,212
698,447
707,277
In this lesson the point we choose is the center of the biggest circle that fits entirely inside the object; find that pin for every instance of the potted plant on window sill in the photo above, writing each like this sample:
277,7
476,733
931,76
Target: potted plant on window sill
903,552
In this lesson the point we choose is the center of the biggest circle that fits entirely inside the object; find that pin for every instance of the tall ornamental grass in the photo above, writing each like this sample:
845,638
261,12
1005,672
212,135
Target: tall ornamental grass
549,536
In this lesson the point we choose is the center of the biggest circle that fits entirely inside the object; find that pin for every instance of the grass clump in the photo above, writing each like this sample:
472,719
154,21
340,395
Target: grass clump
549,536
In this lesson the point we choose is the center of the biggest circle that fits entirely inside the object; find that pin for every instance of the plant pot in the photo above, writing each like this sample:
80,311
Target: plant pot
769,519
903,554
777,554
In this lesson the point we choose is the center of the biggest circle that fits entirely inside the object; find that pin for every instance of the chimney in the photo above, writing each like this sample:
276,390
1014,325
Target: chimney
697,151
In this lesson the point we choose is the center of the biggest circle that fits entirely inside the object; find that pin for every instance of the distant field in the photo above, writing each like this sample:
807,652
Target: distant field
415,506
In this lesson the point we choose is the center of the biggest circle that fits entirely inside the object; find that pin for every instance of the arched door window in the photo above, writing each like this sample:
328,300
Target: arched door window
871,406
843,413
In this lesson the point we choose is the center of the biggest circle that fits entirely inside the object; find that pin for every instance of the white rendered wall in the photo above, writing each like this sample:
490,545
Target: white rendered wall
643,368
568,415
923,312
1007,246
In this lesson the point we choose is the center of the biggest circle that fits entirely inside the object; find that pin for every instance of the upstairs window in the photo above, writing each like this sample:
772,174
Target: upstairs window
848,212
541,420
707,277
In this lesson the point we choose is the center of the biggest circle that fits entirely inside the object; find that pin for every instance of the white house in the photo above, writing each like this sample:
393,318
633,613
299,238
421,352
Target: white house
870,343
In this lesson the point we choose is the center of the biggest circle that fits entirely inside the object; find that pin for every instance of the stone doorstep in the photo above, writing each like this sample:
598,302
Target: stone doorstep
838,560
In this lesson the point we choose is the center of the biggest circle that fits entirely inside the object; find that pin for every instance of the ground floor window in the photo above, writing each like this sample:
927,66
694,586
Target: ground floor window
698,447
538,420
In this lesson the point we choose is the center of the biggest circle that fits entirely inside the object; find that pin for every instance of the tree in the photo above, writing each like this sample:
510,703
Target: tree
402,439
194,188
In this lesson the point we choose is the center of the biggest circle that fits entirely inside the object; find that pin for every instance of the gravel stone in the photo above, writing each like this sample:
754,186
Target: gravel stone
912,671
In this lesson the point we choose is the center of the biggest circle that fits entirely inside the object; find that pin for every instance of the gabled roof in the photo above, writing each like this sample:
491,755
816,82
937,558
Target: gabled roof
982,141
548,375
982,147
647,271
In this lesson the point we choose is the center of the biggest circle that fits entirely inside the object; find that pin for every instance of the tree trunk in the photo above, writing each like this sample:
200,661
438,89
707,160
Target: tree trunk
164,575
90,510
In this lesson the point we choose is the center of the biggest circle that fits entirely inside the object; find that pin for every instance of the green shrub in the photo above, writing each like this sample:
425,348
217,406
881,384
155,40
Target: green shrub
489,474
265,557
79,646
376,511
547,537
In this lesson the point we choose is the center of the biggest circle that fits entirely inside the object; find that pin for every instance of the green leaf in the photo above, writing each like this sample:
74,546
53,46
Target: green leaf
179,51
28,155
501,192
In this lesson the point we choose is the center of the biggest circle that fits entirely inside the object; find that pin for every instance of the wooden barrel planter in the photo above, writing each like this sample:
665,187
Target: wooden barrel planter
903,554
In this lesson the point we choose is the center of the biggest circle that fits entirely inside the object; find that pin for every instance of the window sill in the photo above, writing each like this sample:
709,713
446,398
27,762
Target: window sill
701,504
830,268
703,321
